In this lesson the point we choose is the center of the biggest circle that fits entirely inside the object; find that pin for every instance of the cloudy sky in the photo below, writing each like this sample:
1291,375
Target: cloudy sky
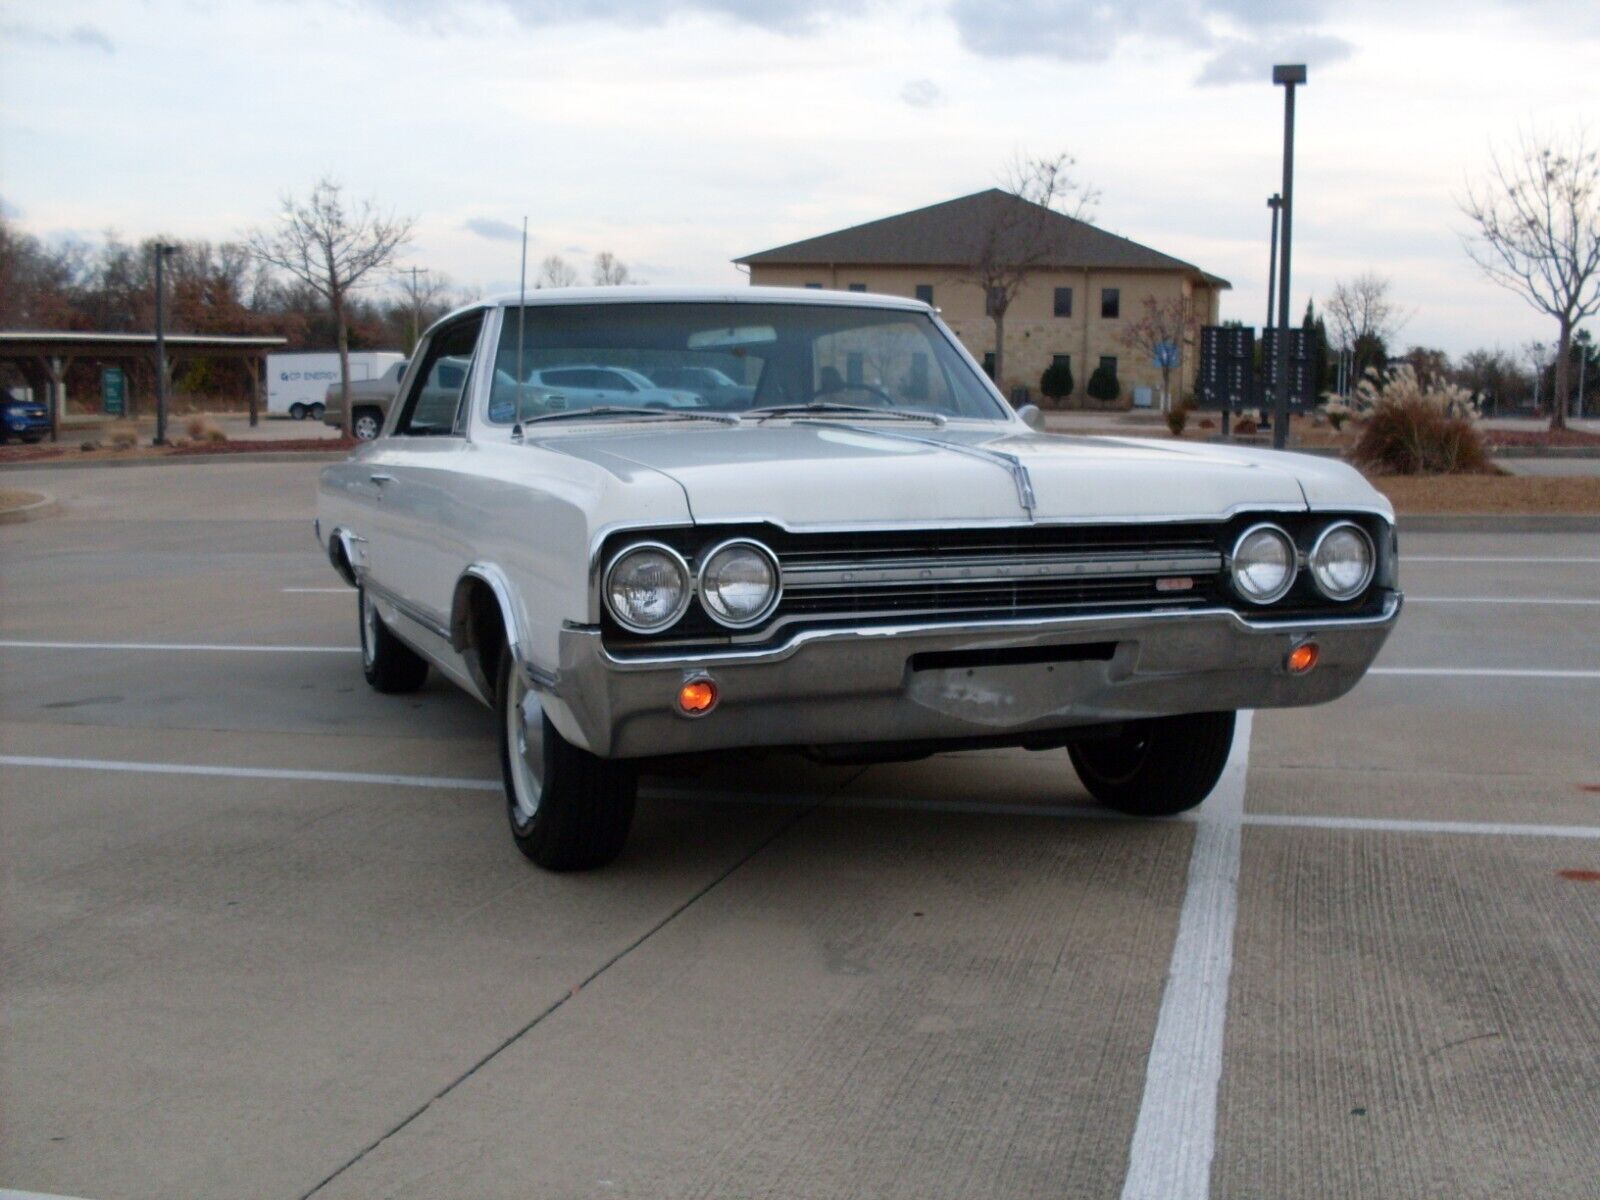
681,133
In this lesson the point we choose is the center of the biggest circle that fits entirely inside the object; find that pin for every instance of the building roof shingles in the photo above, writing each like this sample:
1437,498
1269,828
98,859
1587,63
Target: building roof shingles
950,234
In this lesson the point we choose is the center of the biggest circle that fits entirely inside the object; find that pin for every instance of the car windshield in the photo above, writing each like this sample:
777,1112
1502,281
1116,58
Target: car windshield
730,358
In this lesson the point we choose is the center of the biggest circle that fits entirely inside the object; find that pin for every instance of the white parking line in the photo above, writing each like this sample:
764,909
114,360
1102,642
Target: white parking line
1175,1137
1485,558
206,646
13,1194
333,591
1483,672
151,768
1500,600
1385,825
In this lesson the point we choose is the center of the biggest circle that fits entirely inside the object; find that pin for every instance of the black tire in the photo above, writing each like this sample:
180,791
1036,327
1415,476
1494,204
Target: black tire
297,411
582,809
389,664
317,410
366,424
1159,767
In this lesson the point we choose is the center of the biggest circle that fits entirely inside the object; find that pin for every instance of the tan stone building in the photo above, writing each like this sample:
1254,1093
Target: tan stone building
1081,292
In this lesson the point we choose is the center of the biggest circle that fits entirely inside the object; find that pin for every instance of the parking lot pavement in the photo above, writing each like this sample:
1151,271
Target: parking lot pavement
265,934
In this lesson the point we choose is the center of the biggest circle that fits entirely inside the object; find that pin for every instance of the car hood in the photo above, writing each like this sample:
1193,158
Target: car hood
821,473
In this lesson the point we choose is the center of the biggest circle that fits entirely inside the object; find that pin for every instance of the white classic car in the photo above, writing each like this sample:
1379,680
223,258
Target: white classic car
872,558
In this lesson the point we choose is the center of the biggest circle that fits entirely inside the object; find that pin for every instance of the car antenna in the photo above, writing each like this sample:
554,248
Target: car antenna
522,315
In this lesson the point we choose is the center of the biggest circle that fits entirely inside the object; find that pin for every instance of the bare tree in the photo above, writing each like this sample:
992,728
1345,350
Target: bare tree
1013,240
1363,309
426,294
609,270
1163,331
332,248
1540,358
556,272
1537,232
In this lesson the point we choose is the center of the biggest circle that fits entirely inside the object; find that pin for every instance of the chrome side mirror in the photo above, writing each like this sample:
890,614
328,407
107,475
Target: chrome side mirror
1031,416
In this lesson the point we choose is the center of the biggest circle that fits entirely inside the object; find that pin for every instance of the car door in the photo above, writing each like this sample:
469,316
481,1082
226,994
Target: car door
418,551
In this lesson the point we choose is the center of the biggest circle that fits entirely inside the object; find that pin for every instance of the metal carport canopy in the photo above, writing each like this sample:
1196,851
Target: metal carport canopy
55,350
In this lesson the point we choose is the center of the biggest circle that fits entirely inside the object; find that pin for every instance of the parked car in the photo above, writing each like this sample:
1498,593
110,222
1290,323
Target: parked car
369,401
609,385
711,385
874,559
22,417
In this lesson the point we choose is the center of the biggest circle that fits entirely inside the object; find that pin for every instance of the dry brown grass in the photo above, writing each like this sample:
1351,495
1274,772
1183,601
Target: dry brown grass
1490,494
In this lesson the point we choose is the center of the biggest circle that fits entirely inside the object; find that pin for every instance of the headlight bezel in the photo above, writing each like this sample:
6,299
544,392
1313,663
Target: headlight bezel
1293,573
709,556
1366,579
685,594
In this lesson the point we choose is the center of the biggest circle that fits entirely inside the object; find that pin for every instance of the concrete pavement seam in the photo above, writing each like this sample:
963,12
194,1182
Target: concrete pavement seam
585,982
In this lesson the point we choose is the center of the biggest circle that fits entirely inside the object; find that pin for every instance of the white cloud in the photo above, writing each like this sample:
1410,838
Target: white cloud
1250,60
493,228
922,93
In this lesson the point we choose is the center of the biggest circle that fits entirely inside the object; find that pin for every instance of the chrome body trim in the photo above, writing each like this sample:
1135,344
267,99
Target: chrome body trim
1007,462
860,684
430,621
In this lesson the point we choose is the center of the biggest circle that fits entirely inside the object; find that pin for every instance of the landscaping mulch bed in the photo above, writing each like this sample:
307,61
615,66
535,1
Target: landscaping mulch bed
12,498
42,450
1490,494
26,453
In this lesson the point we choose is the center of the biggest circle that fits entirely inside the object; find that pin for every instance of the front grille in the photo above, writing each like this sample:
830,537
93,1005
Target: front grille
882,577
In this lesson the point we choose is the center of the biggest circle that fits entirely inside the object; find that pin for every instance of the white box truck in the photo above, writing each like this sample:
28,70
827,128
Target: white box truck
297,383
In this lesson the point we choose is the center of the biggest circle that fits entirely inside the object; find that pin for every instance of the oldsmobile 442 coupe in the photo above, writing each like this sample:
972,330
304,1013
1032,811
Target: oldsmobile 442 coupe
856,549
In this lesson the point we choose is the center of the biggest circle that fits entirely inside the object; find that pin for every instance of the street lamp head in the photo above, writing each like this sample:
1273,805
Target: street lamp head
1291,73
1275,201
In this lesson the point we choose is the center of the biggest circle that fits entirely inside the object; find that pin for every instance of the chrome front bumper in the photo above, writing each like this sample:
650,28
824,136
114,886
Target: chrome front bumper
857,685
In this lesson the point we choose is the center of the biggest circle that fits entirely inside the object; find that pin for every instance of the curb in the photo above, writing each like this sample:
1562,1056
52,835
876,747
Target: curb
78,464
1509,523
45,506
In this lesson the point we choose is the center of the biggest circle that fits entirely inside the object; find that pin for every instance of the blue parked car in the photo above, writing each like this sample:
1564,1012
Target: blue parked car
25,419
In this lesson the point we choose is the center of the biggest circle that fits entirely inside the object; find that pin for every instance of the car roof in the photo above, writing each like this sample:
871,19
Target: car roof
654,294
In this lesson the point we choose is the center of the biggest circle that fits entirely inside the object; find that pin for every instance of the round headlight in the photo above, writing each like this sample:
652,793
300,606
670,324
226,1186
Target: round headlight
1263,564
739,583
1342,561
647,587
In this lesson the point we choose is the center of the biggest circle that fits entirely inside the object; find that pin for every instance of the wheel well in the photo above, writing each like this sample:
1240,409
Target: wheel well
340,558
478,632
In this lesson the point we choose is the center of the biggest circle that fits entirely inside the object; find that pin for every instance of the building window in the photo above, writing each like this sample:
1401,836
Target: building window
1063,302
925,292
988,364
858,287
1110,303
1061,360
814,286
1108,363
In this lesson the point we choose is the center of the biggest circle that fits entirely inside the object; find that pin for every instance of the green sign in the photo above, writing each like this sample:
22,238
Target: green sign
113,391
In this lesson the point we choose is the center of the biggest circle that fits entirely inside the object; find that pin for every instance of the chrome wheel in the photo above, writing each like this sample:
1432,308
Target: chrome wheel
365,427
369,630
525,737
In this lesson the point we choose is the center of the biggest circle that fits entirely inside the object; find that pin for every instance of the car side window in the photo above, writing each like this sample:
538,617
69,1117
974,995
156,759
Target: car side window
434,399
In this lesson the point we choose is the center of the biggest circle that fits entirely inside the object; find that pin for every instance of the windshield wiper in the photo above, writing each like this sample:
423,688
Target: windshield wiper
624,410
828,408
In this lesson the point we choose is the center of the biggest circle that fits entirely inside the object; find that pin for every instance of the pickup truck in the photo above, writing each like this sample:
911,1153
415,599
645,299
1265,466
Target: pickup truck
369,402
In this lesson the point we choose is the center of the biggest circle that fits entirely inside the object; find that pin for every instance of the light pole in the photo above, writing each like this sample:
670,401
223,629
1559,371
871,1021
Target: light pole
1274,202
1288,76
163,252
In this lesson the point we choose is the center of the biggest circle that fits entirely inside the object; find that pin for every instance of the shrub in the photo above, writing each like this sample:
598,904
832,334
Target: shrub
1337,412
1056,382
1207,423
1177,418
1103,384
1246,425
1409,429
123,436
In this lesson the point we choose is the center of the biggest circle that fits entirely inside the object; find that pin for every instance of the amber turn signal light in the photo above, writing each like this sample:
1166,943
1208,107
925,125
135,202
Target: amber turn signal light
697,697
1302,658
